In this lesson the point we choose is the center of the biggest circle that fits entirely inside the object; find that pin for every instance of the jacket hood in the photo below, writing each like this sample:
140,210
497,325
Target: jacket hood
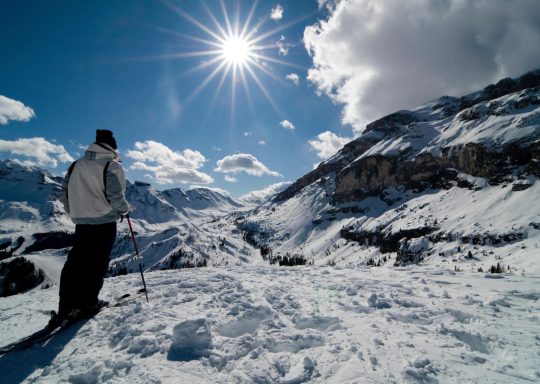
101,151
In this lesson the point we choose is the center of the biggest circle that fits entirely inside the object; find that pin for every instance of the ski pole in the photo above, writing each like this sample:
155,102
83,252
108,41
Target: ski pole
138,257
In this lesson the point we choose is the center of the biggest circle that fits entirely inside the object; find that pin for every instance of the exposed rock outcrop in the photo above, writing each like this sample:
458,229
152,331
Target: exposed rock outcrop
419,149
369,176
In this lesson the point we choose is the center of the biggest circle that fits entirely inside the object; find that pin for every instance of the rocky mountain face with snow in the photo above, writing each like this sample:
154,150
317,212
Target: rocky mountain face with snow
154,206
484,134
453,181
32,218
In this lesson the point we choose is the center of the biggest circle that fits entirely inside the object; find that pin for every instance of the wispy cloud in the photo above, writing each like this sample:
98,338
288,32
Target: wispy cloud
328,4
287,125
218,149
283,46
14,110
168,166
244,162
277,13
247,133
36,151
260,196
294,78
262,142
230,179
375,57
328,143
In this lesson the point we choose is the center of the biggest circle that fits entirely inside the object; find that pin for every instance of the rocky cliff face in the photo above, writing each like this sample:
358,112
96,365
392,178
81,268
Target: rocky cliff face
371,175
489,134
452,180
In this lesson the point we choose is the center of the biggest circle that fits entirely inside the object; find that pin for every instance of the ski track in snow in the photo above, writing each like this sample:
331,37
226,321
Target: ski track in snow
289,325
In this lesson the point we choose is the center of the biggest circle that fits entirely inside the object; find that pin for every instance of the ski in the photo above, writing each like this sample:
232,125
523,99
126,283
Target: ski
48,333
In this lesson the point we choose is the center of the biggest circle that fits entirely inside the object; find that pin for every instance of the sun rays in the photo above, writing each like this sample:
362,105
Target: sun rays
232,47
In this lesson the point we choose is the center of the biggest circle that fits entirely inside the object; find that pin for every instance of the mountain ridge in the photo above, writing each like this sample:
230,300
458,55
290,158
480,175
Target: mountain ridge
435,184
403,131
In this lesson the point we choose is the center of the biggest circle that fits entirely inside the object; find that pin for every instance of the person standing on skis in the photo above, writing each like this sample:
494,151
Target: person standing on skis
93,195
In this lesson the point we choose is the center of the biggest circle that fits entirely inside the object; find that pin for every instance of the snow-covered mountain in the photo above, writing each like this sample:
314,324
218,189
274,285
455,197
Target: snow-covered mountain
31,214
29,201
453,180
435,196
153,206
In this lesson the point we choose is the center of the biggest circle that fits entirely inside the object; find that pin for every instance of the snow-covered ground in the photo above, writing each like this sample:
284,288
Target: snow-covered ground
262,324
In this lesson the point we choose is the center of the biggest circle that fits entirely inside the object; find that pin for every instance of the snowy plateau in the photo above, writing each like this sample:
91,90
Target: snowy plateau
410,256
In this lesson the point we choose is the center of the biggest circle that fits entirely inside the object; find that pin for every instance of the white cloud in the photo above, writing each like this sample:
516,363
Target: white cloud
37,151
376,57
159,153
168,166
328,4
243,162
287,125
328,143
14,110
277,13
247,133
283,46
230,179
262,142
260,196
294,78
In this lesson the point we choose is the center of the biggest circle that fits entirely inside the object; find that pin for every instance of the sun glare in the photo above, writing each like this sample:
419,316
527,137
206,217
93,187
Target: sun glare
236,50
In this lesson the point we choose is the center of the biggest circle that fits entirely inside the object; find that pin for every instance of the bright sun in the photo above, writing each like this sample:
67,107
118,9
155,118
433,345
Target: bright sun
236,50
231,48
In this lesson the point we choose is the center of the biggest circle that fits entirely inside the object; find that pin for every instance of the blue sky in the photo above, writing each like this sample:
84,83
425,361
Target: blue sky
81,66
71,67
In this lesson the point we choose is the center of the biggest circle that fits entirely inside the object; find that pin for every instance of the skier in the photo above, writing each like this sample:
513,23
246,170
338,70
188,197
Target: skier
93,195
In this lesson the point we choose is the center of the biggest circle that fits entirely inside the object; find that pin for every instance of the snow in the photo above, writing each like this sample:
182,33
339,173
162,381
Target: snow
487,211
289,325
491,124
335,321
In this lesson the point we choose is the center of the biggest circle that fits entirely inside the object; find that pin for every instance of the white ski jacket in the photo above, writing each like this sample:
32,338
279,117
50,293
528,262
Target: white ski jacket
93,191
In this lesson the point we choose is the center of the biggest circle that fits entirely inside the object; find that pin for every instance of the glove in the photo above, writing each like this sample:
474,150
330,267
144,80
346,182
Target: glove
122,215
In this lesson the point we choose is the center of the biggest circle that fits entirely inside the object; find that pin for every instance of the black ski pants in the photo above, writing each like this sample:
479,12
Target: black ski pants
86,266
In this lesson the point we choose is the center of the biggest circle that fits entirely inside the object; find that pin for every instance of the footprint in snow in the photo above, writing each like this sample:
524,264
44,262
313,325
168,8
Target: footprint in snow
247,322
191,340
319,322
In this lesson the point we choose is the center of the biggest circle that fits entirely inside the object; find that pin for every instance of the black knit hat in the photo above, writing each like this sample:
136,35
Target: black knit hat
105,136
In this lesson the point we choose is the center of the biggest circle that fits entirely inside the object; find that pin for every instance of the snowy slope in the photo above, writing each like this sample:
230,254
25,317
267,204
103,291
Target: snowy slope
488,118
461,218
456,180
412,214
29,205
153,206
29,201
290,325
